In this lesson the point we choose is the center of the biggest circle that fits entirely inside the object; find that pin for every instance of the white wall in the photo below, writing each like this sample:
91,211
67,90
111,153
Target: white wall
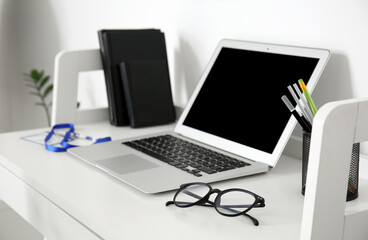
9,59
193,29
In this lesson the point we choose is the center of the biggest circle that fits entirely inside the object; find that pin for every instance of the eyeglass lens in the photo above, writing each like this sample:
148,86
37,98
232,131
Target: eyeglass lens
229,202
234,202
191,194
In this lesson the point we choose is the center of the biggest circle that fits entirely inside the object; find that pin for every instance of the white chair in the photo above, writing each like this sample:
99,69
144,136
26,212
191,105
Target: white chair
336,127
68,64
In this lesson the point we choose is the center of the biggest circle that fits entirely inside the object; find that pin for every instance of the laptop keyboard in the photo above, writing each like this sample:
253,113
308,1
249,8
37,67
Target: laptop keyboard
185,155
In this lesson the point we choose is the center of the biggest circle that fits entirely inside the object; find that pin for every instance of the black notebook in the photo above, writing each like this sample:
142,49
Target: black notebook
147,91
126,45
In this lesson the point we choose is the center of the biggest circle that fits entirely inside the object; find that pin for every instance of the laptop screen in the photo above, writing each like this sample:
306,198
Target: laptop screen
241,98
237,104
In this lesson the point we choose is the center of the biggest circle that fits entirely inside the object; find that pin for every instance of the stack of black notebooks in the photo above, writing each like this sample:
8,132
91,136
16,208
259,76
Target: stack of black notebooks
137,77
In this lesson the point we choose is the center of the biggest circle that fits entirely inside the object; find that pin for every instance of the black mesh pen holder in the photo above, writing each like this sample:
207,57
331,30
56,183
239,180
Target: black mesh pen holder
352,191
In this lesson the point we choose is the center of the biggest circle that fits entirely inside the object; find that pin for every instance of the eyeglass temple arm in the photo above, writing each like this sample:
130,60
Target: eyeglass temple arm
169,203
202,200
188,193
186,203
254,220
261,203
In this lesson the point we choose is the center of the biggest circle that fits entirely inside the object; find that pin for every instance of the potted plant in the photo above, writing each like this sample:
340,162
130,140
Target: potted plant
40,87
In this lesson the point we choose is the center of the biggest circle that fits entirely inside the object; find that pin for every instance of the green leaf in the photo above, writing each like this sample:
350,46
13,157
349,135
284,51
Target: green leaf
47,91
36,75
44,81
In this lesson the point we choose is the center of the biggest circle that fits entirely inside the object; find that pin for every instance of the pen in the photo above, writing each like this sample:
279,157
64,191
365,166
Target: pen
73,135
307,96
80,136
299,104
301,120
304,101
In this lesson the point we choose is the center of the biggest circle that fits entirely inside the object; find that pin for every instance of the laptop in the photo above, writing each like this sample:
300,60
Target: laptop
235,122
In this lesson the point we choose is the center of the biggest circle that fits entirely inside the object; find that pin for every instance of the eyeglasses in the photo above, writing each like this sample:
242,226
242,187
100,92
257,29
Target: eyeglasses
231,202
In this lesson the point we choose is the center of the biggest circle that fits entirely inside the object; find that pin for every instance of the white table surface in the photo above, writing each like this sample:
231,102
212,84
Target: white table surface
113,210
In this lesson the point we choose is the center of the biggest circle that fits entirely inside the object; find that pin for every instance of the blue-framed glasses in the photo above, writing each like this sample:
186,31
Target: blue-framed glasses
231,202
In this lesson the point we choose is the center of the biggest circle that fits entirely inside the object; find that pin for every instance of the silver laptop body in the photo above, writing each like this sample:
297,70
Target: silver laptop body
235,110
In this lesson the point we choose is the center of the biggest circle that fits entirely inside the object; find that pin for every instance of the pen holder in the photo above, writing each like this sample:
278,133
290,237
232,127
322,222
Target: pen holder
352,191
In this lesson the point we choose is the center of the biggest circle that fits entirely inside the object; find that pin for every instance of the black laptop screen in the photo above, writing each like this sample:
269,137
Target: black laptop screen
241,98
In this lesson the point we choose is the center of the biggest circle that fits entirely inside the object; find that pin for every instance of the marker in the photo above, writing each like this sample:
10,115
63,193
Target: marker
301,120
299,104
308,97
305,103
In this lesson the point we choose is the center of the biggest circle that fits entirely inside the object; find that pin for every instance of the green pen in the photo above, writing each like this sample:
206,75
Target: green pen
307,96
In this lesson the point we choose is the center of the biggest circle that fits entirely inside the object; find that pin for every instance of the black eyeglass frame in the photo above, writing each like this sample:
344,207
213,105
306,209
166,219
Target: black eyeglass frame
204,201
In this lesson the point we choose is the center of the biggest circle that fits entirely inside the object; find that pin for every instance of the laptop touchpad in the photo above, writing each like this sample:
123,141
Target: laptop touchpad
126,164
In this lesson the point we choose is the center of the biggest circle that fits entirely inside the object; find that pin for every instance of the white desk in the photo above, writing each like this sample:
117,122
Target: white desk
65,198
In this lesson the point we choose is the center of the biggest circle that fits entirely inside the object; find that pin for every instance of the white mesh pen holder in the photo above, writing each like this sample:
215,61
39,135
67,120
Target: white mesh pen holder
352,191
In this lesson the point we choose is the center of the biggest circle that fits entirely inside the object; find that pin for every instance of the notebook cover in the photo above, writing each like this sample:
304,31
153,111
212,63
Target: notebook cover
124,45
147,92
108,78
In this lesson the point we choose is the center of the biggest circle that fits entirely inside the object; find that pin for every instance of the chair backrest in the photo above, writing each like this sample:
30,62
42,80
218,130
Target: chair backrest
336,126
68,64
